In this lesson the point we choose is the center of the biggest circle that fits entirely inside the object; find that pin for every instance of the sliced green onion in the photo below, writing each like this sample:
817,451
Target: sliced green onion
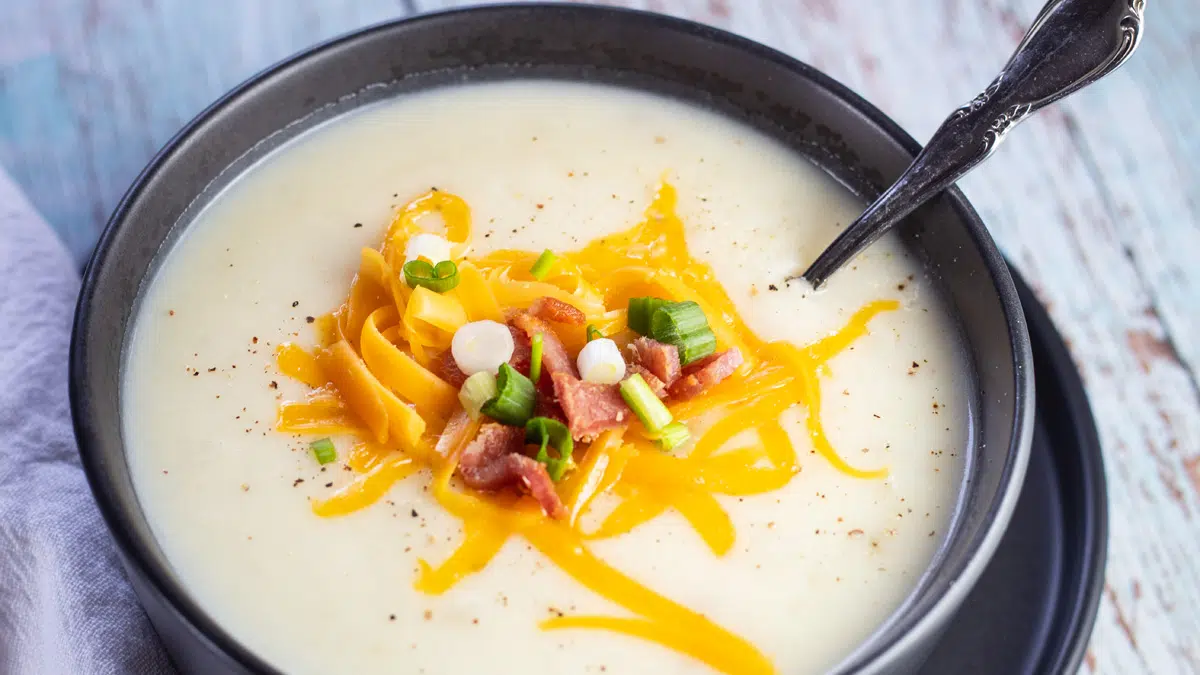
437,278
542,267
416,270
696,346
477,390
535,358
672,322
641,398
481,346
682,324
659,424
446,270
550,432
673,435
640,311
323,450
593,333
600,361
514,400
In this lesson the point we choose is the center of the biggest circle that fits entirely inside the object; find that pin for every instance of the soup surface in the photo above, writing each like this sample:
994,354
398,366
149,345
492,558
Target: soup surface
815,566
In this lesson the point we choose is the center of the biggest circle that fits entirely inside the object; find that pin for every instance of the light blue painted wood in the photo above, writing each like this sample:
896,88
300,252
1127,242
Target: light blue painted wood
1097,200
90,89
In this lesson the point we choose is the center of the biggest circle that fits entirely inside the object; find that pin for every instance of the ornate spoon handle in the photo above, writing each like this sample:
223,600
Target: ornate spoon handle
1071,44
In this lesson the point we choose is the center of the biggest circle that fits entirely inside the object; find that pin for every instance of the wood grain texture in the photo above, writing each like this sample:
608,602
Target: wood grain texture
1097,200
91,89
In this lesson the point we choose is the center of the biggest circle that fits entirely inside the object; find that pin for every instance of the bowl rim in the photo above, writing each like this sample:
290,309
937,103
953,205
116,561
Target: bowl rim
135,552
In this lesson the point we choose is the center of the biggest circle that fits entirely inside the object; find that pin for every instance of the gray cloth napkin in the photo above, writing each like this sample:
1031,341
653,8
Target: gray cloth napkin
65,604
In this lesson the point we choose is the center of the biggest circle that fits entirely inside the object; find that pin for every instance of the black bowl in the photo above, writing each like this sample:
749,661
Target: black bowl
763,88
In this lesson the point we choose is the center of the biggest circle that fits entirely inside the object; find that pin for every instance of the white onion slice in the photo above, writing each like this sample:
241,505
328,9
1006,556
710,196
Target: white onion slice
433,248
600,361
481,346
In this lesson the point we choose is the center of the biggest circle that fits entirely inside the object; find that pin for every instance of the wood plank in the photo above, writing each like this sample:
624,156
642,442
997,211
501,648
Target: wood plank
90,89
1095,200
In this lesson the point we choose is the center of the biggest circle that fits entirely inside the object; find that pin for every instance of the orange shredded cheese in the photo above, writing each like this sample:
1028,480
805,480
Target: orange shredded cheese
371,377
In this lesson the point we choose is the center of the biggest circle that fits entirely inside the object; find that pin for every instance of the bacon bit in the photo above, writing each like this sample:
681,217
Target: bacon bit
493,461
477,463
656,385
445,367
705,373
555,358
553,309
522,351
546,406
660,359
591,407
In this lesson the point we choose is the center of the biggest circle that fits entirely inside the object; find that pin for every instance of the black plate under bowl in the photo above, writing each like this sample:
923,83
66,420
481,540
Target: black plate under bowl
1032,610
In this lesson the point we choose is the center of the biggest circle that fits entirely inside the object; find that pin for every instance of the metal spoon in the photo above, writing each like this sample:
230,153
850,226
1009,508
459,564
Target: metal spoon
1071,44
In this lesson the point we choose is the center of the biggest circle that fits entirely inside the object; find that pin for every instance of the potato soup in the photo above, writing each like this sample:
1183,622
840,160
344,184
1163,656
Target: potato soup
755,475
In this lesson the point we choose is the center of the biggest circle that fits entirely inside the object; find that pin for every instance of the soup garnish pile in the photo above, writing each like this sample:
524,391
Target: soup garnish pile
522,385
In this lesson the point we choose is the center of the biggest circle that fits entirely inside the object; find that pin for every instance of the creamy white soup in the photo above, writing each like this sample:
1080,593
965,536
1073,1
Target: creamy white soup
784,563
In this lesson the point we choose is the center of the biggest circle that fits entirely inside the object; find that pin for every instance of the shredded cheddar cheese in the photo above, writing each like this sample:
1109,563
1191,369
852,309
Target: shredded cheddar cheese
370,376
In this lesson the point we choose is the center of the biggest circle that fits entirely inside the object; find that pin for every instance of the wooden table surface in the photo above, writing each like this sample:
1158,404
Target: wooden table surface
1095,200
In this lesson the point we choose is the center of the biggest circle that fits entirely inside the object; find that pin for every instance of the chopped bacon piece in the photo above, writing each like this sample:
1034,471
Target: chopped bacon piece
656,385
445,367
555,358
478,463
494,461
546,406
590,407
703,374
533,476
660,359
553,309
521,351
